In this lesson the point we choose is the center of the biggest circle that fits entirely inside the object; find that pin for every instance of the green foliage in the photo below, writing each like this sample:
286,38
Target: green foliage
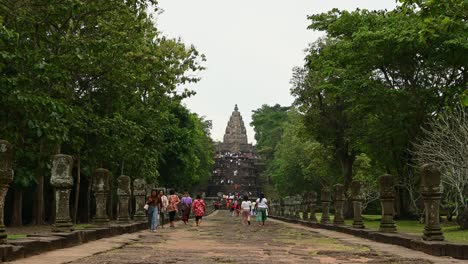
98,80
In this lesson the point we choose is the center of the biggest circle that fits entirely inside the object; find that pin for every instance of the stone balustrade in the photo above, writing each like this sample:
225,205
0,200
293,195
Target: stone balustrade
291,207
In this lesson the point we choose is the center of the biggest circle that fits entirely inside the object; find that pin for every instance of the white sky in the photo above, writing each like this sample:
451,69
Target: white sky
251,47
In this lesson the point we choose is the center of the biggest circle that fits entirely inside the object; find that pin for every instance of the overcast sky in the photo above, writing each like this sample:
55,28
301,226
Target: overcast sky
251,47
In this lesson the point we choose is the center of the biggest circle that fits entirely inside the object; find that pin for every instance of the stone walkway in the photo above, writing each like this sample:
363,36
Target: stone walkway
222,239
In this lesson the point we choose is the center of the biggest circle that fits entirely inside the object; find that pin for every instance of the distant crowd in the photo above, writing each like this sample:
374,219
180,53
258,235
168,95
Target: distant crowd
158,204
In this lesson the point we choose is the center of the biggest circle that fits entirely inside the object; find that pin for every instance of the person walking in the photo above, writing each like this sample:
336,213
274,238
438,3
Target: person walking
172,207
163,207
153,203
262,207
186,207
199,208
246,206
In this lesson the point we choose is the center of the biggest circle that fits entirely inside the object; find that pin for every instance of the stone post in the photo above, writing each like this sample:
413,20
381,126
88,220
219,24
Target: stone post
62,181
325,198
101,191
357,199
123,192
313,204
431,193
387,201
339,199
281,212
6,177
298,206
139,191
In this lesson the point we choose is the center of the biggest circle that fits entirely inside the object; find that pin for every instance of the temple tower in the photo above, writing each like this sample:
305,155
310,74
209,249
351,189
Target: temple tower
237,166
235,130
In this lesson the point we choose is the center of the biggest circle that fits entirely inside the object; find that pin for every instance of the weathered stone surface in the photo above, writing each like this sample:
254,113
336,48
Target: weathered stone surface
387,201
462,218
139,191
357,199
325,198
6,176
123,192
338,201
313,205
431,193
62,180
101,191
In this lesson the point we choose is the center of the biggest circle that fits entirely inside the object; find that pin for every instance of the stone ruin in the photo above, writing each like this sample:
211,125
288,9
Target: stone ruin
6,177
101,192
387,201
237,165
62,181
139,192
124,193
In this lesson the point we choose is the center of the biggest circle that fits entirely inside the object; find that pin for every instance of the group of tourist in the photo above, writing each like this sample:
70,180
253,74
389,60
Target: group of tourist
158,204
247,208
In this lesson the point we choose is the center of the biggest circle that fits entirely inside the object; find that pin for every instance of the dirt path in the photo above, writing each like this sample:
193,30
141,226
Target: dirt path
222,239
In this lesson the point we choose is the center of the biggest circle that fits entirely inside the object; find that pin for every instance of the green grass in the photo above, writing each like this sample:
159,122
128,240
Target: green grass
83,226
15,236
452,232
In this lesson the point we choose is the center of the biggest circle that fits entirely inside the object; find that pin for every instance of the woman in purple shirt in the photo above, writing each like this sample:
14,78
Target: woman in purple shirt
186,207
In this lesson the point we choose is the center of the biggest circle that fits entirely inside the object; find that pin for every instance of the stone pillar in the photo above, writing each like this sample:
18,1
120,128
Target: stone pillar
357,199
62,181
431,193
387,201
124,193
101,191
139,191
298,206
6,177
281,212
325,198
313,204
339,199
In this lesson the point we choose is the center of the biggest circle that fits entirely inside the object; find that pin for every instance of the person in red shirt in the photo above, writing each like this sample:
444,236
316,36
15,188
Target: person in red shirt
199,208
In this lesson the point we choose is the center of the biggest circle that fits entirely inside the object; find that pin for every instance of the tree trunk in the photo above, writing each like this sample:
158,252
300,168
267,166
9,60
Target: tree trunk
347,162
17,215
77,191
39,210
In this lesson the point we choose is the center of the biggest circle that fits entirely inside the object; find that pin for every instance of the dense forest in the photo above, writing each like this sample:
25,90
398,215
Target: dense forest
380,92
98,81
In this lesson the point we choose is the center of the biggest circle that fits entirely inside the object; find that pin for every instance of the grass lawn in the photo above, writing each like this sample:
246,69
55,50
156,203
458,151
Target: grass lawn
452,232
83,226
15,236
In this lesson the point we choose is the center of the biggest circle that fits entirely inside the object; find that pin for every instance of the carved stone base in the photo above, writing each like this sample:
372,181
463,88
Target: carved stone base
434,234
124,215
101,217
339,219
139,215
325,213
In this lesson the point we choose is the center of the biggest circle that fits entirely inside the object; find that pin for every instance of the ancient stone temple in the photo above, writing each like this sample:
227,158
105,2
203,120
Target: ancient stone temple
237,166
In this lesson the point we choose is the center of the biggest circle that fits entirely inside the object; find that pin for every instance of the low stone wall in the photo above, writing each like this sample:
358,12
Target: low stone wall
37,244
435,248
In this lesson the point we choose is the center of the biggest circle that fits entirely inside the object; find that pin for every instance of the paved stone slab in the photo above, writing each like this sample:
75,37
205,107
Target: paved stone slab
223,239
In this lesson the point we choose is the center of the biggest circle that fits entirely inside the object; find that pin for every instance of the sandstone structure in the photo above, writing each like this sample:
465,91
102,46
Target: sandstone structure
139,192
62,181
6,177
325,198
387,200
357,199
237,165
124,194
101,191
431,193
338,200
